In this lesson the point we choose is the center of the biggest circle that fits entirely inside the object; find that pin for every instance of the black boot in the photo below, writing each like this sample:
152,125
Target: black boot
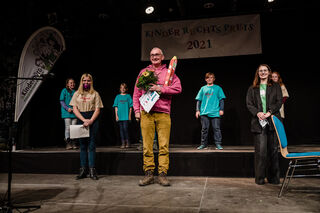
93,174
82,173
74,144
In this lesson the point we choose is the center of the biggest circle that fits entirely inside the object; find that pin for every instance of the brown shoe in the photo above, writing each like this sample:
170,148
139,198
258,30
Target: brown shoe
148,179
162,179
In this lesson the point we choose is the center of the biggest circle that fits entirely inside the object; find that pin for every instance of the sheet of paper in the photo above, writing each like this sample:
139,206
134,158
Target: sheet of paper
79,131
148,99
263,123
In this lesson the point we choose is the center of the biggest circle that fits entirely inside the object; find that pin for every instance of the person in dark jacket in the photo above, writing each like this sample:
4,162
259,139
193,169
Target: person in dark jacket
264,98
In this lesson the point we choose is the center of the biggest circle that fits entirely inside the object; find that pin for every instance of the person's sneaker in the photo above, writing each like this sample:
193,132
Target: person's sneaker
148,178
219,147
202,147
68,144
162,179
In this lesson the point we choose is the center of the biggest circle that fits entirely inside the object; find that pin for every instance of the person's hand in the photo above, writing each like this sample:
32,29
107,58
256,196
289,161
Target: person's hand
197,114
69,110
221,112
87,122
267,115
117,118
138,116
261,116
155,87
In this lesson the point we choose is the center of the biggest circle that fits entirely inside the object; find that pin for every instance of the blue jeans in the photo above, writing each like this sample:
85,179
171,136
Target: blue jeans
88,145
205,123
123,128
67,123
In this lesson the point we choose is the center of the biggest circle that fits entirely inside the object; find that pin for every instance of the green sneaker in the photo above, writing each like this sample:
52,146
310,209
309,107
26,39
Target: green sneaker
219,147
202,147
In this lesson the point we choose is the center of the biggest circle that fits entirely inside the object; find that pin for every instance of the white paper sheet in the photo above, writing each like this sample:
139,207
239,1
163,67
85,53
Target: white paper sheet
79,131
148,99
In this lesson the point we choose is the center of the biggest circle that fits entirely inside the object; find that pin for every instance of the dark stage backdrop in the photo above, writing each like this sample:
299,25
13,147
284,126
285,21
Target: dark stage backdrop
111,53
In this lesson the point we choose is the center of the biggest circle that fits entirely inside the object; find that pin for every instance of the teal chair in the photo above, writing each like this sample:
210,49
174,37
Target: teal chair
302,164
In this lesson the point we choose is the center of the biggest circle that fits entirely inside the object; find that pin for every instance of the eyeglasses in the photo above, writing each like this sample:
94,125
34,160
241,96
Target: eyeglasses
155,55
265,70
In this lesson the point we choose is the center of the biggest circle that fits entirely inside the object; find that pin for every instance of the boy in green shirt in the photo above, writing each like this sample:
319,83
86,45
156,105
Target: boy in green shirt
210,106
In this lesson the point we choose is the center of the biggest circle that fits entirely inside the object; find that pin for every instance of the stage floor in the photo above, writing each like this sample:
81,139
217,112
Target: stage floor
174,149
121,194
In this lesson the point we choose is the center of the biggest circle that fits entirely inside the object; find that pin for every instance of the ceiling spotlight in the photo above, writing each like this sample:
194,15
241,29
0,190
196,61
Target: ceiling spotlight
149,10
270,1
208,4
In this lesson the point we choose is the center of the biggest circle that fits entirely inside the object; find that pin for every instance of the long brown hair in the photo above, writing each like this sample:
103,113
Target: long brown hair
256,80
279,78
80,89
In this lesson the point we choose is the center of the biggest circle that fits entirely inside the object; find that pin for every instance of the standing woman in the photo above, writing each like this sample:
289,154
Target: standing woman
264,98
277,78
67,112
86,104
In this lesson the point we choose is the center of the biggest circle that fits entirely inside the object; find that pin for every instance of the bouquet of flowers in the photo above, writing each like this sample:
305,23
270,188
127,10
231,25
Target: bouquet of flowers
147,77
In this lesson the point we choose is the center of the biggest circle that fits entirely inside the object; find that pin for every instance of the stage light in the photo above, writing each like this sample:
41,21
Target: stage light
149,10
207,4
270,1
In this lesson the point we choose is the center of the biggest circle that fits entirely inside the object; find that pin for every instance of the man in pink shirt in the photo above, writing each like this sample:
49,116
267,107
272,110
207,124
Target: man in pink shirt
157,119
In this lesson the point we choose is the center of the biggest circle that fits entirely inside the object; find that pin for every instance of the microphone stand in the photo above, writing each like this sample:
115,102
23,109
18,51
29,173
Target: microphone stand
7,206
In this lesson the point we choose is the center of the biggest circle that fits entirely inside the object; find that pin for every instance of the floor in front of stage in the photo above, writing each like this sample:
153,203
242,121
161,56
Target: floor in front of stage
176,148
118,193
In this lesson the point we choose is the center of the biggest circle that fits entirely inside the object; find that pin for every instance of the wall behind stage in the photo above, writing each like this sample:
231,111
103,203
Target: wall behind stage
113,58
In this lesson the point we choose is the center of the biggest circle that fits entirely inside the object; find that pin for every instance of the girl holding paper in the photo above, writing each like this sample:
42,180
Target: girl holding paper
86,104
264,98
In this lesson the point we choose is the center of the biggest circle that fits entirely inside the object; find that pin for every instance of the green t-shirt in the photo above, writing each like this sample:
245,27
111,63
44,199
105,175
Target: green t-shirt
263,91
210,97
123,102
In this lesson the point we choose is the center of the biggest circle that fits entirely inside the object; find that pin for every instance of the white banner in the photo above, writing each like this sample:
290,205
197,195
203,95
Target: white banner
214,37
39,54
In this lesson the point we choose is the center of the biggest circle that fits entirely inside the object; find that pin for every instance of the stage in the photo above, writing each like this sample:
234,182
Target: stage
121,194
185,160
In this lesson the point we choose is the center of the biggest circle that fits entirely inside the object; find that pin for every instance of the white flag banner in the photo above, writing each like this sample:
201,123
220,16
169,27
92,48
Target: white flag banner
39,54
214,37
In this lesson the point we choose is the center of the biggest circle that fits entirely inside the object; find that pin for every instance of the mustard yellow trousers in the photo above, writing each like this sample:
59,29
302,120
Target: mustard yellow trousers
161,122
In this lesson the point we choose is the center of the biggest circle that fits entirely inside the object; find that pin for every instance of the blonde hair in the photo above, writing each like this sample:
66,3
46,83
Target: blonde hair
208,74
80,89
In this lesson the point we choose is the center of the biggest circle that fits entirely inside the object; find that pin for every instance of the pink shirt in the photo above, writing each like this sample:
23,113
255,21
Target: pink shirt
164,103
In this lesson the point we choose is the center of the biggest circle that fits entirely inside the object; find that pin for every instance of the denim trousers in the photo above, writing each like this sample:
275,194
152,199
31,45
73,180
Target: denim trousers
67,123
266,156
88,145
123,128
151,122
205,125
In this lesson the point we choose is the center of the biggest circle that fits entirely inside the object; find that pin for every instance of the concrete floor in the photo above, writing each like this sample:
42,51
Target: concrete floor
62,193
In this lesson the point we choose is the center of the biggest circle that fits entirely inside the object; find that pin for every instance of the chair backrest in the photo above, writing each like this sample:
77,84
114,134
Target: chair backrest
282,137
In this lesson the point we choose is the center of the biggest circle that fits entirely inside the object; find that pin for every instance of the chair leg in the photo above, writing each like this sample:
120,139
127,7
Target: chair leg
293,169
286,181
